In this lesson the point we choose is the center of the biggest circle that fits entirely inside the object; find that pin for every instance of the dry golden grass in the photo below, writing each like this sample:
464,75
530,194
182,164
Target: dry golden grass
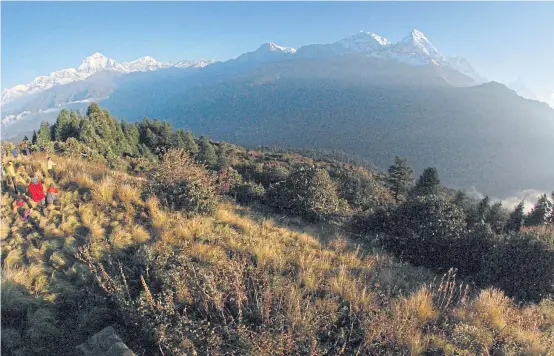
84,181
139,234
159,218
119,238
308,276
128,195
93,222
103,192
15,258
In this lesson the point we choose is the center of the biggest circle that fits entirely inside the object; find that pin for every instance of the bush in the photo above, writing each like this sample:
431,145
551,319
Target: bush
308,192
248,192
360,189
471,249
423,230
181,184
522,265
227,179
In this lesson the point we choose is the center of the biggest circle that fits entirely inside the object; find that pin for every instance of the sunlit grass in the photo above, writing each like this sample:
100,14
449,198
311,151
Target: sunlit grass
287,275
104,191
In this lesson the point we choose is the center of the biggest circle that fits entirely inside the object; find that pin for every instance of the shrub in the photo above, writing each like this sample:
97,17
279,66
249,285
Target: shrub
308,192
181,184
471,249
423,230
248,192
360,189
227,179
522,265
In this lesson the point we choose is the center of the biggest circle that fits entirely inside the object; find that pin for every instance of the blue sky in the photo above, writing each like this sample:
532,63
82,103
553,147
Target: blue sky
503,40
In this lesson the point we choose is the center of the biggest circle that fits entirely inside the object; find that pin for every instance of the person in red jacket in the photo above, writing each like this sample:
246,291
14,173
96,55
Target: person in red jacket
51,194
37,191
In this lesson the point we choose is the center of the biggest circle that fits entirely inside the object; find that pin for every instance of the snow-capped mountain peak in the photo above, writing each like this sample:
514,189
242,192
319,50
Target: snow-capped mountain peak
416,43
365,42
143,64
522,90
97,62
272,47
193,64
92,64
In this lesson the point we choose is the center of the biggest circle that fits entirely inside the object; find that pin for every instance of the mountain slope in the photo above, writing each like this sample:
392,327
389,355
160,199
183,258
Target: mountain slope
483,136
95,63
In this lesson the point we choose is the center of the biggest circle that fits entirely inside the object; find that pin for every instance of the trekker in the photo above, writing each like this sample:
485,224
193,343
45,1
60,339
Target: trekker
51,194
14,152
51,165
4,177
10,172
37,191
26,148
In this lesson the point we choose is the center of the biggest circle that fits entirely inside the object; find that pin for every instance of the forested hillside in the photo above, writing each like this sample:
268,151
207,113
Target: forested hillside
192,246
481,136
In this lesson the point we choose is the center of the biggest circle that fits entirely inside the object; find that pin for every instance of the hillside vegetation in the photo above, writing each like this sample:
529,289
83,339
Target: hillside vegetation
197,247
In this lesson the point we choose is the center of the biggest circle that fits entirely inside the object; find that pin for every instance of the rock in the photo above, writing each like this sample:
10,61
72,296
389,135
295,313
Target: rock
105,343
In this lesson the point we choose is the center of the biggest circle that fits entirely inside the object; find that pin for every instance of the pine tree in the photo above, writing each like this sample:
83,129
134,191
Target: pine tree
428,183
26,139
43,134
515,221
190,145
483,209
63,127
461,200
166,135
206,153
550,218
178,139
34,139
541,211
222,157
400,177
131,133
496,217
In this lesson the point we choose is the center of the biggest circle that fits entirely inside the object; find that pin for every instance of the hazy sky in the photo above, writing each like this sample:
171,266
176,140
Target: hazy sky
503,40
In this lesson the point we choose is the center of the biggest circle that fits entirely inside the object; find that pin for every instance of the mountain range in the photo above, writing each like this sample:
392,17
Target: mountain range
362,94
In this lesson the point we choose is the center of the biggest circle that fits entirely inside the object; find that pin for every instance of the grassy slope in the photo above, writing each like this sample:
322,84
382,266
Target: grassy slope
320,294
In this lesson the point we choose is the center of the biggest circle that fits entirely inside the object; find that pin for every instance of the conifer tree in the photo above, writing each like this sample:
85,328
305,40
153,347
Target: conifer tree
428,183
190,145
34,139
550,218
206,153
43,134
496,217
515,220
400,177
178,140
131,133
63,127
222,157
541,211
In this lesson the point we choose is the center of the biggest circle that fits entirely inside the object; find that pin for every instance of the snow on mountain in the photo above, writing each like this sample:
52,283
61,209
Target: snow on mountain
365,42
416,49
272,47
266,52
143,64
98,62
462,65
193,64
90,65
522,90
